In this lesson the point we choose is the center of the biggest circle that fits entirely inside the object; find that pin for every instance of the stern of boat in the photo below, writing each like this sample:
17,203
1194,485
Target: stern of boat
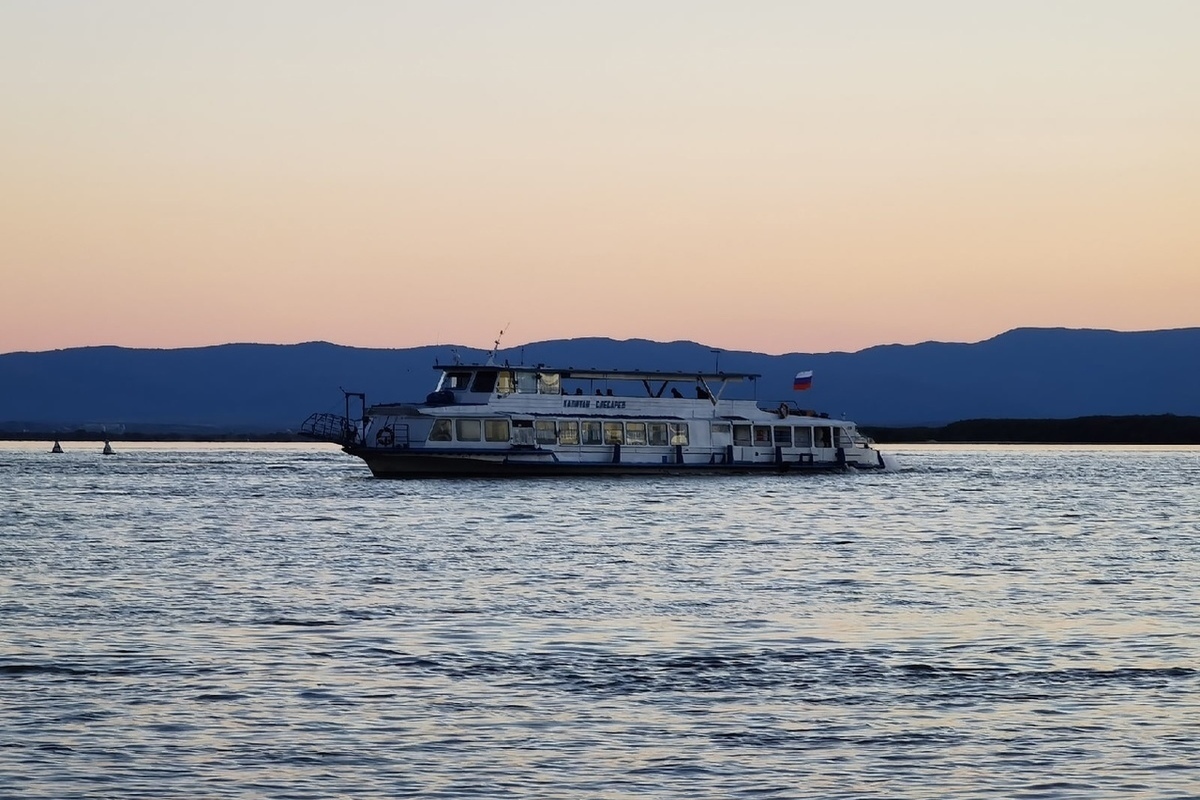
333,428
345,429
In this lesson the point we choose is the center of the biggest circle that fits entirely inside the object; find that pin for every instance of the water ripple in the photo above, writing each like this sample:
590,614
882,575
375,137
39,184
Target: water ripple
266,621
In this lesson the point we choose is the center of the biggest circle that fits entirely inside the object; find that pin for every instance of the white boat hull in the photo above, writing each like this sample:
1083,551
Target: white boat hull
406,463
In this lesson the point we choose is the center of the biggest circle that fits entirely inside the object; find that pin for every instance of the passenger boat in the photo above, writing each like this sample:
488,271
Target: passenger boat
492,420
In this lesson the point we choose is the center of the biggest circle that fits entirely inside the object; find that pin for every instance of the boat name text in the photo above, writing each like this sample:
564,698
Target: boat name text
588,404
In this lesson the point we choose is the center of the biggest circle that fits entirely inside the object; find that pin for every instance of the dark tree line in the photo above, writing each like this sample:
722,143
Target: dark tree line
1156,429
144,436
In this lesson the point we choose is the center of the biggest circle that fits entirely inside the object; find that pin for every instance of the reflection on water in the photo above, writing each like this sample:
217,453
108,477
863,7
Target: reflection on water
269,621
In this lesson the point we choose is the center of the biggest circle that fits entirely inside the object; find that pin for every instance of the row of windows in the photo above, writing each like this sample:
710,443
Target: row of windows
504,382
745,435
566,432
617,432
600,432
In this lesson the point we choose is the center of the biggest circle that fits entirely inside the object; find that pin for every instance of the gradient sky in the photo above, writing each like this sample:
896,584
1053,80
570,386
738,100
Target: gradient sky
772,176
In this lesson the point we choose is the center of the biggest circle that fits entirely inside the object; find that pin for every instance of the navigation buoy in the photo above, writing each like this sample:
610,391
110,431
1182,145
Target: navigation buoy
57,447
108,451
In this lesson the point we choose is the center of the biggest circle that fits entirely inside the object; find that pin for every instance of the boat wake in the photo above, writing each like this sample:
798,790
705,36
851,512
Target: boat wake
890,462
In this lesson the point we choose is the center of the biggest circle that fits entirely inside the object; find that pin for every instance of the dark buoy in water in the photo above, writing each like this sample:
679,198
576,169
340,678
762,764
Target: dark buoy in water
57,447
108,451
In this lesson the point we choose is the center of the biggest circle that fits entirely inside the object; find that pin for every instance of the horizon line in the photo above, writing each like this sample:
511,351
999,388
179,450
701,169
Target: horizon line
580,338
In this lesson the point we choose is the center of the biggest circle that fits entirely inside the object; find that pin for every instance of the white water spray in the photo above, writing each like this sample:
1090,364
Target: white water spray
890,462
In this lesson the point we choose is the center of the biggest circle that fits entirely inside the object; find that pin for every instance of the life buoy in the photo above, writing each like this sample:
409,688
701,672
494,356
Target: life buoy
385,437
783,410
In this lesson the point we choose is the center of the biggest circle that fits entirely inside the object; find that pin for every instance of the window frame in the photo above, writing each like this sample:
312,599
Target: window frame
743,434
539,425
443,424
658,434
614,432
485,381
802,436
526,382
631,438
678,431
783,435
571,438
489,424
458,430
591,432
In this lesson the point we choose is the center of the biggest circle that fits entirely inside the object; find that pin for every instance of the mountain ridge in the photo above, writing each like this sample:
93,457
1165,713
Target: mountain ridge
1021,373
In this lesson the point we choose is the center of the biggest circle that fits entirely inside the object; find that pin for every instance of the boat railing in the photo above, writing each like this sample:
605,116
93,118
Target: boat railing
402,437
329,428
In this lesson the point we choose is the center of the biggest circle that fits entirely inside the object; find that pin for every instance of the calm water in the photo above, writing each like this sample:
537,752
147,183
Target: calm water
268,621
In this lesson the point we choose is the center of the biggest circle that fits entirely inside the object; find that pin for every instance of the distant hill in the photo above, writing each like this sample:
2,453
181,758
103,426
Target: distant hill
1026,373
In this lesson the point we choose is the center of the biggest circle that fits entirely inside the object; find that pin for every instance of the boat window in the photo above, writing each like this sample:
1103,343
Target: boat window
522,433
495,430
546,434
840,438
568,432
504,383
614,433
657,433
821,437
679,433
762,435
741,435
719,429
485,381
527,382
467,430
591,433
456,380
804,436
549,384
440,432
635,433
783,435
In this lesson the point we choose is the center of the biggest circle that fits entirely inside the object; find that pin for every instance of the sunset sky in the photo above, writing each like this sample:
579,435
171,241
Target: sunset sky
770,176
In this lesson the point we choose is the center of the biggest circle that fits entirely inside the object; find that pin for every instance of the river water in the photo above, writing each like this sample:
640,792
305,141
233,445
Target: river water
269,621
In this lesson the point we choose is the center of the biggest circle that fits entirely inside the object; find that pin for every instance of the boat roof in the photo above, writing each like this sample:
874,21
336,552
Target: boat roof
609,374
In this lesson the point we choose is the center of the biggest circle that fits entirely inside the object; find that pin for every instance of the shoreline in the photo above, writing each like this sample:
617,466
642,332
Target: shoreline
74,436
1164,429
1160,429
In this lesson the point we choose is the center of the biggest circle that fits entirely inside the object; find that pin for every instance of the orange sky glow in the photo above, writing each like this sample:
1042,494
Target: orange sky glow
772,176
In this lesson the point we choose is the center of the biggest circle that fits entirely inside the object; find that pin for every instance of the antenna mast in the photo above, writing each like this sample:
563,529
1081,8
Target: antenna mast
491,359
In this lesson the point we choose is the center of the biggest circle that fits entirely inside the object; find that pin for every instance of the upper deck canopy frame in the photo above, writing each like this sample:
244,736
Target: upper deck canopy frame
644,376
607,374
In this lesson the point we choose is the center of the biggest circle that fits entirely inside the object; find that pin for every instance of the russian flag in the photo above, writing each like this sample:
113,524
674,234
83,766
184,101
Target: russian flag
802,381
